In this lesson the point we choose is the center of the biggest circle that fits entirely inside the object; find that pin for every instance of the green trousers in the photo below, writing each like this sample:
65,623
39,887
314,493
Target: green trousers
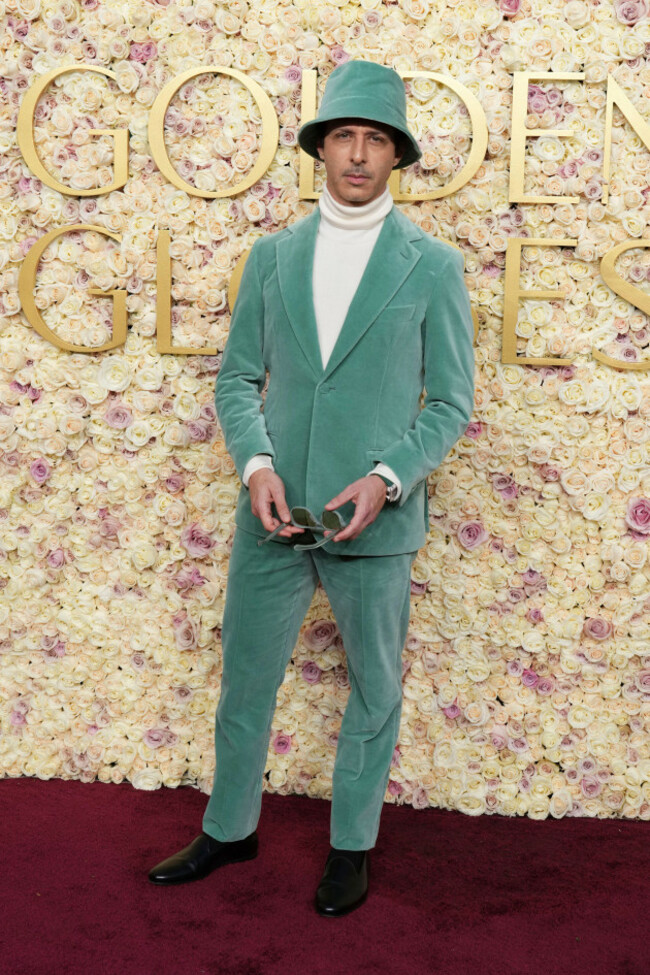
270,588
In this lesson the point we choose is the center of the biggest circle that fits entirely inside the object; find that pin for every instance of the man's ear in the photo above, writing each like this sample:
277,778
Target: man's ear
319,150
400,149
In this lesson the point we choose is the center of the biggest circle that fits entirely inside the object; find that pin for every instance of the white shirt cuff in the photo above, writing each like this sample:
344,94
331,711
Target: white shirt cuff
387,472
256,463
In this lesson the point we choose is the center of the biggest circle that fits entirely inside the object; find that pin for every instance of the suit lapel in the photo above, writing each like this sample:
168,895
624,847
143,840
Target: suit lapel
391,261
295,262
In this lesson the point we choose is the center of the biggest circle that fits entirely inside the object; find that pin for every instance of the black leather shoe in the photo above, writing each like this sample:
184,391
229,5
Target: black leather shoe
344,884
203,855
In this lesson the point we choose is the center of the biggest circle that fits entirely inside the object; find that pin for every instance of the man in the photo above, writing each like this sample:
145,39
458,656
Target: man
352,311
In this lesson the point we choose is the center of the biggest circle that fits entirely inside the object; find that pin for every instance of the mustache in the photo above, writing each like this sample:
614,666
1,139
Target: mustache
356,172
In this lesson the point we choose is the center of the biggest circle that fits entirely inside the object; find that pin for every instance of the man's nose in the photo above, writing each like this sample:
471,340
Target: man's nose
358,148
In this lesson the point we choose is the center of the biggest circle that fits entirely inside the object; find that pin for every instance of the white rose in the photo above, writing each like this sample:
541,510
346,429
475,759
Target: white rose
596,506
114,374
148,778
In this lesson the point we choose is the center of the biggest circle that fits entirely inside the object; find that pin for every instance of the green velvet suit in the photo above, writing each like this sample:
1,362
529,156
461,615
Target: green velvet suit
409,326
408,329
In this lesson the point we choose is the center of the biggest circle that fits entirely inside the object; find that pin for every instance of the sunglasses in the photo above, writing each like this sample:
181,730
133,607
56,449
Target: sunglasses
330,521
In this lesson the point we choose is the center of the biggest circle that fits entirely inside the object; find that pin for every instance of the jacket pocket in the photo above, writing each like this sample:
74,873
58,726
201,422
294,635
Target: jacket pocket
396,314
374,453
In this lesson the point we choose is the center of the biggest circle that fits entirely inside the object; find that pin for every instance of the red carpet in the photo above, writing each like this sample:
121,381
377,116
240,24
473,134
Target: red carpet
450,894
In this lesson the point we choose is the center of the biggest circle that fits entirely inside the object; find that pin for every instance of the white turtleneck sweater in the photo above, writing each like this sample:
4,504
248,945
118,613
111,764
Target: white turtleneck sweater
344,243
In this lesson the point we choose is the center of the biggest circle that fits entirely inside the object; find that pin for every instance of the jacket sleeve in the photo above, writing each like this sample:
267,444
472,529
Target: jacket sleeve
241,378
448,349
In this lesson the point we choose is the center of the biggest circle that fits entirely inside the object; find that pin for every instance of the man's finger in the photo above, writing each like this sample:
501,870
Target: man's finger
282,509
356,526
346,495
265,515
281,505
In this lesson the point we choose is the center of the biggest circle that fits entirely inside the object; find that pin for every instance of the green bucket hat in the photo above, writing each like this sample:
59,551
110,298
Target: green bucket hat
364,90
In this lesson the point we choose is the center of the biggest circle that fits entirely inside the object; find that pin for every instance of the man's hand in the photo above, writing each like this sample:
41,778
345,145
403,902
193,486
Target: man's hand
267,488
369,496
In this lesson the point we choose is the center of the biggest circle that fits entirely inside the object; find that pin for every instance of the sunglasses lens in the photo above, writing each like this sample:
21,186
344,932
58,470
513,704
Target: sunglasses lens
304,518
332,520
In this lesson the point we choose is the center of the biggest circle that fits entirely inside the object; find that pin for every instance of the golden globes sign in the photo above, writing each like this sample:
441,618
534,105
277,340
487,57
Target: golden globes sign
269,142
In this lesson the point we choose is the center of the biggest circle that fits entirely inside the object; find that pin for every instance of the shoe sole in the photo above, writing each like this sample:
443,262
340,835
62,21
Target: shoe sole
200,876
341,913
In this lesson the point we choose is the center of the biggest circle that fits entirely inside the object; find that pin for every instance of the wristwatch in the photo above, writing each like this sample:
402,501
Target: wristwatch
391,487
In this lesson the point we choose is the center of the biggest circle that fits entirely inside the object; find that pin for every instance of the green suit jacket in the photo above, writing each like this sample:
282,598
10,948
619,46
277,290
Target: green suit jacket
409,328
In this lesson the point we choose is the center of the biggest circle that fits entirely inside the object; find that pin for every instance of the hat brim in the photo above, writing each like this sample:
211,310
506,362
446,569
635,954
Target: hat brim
310,134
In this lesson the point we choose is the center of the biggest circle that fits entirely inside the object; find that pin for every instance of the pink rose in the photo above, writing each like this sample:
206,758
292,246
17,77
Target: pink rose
471,534
591,786
118,416
418,588
282,743
196,541
535,615
142,52
320,635
188,578
642,681
395,788
630,12
518,745
110,526
452,711
186,634
499,737
338,55
311,672
174,483
638,515
537,100
159,737
419,799
532,578
474,430
529,678
372,19
40,470
597,628
56,558
199,430
208,412
509,8
505,485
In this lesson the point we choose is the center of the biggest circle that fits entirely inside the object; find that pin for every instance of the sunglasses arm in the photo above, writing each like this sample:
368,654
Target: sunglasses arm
278,528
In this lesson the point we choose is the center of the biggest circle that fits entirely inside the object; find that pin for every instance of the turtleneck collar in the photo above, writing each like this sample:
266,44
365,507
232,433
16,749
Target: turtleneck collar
355,218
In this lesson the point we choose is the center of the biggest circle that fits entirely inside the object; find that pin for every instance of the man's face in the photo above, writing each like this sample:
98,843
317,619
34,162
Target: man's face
359,157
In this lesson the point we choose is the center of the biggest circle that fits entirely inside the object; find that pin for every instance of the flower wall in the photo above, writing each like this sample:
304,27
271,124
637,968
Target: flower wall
527,665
